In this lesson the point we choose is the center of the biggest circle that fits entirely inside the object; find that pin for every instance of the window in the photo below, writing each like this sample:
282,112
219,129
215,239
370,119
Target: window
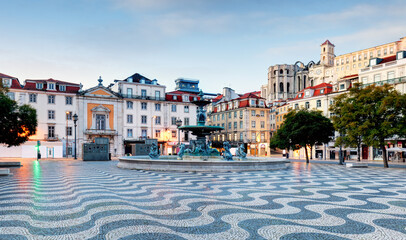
241,126
175,98
347,60
222,124
364,80
186,121
253,102
385,51
173,133
157,133
51,114
129,118
379,53
185,98
143,119
391,75
173,120
377,78
68,100
262,113
218,117
371,55
68,115
253,113
222,116
354,58
157,95
307,105
130,105
62,88
365,56
342,86
241,114
157,107
235,125
253,137
318,103
253,124
241,136
51,86
186,109
296,106
229,125
129,92
33,97
6,82
158,120
143,93
129,133
68,131
51,99
262,124
173,108
144,106
262,137
391,50
229,115
51,131
359,57
144,133
235,114
100,122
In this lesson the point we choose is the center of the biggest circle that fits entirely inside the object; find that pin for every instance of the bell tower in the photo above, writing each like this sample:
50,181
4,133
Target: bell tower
327,54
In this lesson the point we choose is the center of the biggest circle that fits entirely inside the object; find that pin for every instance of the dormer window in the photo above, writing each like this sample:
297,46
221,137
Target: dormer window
261,103
307,93
185,98
39,85
62,88
322,91
51,86
373,62
300,95
6,82
142,80
175,97
253,102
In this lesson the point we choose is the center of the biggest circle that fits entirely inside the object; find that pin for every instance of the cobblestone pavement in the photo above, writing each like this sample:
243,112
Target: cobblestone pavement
97,200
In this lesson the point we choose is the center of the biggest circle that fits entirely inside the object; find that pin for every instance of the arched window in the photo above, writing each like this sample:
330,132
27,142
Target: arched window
280,87
274,87
324,49
298,81
311,83
274,72
281,71
304,81
287,71
287,87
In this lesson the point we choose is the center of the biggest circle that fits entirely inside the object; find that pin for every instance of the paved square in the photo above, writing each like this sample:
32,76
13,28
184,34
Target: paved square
97,200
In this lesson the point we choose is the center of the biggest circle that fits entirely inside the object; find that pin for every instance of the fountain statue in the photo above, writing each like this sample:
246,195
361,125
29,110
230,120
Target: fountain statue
154,151
227,154
240,152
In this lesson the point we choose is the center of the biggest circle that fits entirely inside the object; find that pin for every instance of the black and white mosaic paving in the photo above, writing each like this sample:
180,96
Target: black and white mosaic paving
97,200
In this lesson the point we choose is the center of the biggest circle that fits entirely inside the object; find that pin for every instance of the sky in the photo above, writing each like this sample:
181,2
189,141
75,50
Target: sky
221,43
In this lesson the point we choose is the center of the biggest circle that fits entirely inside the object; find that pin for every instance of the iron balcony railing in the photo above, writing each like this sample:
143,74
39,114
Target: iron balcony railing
53,137
388,81
100,132
132,96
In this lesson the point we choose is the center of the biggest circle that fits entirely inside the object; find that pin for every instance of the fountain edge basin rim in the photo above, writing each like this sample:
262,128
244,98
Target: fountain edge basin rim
171,163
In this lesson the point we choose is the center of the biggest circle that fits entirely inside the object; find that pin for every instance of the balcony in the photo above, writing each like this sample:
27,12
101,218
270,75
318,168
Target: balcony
389,81
132,96
100,132
53,137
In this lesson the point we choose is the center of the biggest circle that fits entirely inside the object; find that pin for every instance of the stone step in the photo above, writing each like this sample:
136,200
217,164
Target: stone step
4,171
356,165
10,164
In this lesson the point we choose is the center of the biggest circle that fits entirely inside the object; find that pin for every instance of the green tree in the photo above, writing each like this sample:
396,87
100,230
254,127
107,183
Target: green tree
370,115
17,123
349,116
301,129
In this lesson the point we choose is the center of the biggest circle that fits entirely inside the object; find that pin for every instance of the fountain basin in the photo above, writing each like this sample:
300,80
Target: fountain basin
171,163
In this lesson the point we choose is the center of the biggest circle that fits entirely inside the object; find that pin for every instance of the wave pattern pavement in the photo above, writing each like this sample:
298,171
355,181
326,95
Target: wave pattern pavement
97,200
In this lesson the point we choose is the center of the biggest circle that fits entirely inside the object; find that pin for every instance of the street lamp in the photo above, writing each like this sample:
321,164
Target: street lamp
152,130
67,140
178,124
75,119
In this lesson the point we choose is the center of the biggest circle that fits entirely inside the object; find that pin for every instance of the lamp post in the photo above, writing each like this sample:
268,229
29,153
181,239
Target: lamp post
152,130
178,124
75,119
67,140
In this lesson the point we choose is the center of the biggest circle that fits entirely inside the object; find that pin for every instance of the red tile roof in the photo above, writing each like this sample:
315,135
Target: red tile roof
328,88
327,42
350,76
218,98
388,59
169,96
30,84
2,75
250,95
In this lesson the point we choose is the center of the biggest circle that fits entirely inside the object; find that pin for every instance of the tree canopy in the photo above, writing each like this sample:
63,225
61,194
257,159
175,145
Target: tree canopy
17,123
372,114
303,128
